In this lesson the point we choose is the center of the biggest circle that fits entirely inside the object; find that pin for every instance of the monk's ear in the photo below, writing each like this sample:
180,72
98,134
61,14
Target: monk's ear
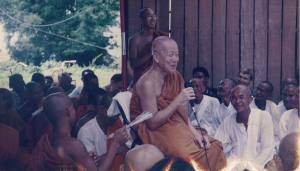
156,57
67,112
121,168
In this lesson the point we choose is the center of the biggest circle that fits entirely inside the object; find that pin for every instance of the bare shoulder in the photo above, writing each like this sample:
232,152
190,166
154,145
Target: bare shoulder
145,86
134,40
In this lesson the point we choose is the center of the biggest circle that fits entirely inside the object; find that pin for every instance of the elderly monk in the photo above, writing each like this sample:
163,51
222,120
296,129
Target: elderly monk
140,55
161,91
57,150
94,99
34,94
263,93
8,115
39,124
204,107
17,84
287,157
287,81
226,108
289,121
248,133
288,92
142,158
93,134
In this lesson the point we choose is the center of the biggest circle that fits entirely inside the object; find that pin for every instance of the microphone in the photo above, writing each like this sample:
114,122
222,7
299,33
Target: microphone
186,85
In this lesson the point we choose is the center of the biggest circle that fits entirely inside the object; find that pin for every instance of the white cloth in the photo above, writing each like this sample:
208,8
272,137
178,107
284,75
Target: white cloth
281,109
289,123
254,144
76,92
220,114
16,99
205,111
271,107
280,102
93,137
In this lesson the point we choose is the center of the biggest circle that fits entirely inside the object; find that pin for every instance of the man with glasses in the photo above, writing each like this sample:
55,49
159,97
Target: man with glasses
140,55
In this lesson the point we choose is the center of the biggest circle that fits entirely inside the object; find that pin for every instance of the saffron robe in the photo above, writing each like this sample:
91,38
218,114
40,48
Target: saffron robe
13,119
137,73
82,109
175,137
44,157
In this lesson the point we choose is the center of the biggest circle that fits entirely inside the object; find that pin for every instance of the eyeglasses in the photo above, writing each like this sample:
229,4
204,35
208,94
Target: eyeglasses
149,16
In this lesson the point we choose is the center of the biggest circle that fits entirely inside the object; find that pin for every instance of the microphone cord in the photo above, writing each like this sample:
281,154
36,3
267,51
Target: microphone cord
203,140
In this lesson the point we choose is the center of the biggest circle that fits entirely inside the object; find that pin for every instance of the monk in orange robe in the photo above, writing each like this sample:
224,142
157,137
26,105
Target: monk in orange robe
161,91
140,44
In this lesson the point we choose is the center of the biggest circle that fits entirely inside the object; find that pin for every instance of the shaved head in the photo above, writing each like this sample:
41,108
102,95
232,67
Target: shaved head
54,89
289,80
142,158
288,151
241,98
242,88
31,86
159,44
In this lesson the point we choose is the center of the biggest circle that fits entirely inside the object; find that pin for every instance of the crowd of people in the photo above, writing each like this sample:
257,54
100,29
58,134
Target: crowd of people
57,126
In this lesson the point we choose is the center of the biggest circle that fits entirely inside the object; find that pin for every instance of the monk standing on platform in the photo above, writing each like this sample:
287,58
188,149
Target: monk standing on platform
140,55
161,91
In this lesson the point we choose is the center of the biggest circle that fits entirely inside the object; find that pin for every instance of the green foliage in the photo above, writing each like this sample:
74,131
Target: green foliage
103,73
35,47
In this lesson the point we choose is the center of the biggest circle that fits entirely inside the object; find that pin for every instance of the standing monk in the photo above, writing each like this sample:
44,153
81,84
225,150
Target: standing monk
161,91
140,55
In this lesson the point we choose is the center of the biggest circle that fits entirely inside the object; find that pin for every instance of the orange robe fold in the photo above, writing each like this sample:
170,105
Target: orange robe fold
174,137
119,159
44,157
29,135
82,109
13,119
137,73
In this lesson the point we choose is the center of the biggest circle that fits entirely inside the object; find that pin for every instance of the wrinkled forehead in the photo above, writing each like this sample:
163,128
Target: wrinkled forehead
238,91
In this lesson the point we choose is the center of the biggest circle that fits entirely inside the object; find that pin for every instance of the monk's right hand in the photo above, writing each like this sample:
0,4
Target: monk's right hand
185,95
121,136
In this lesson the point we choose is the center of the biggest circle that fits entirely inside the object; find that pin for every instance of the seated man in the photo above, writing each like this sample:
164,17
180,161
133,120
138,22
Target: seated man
204,107
78,89
94,99
39,78
203,75
8,115
17,84
247,134
246,77
288,92
48,83
226,108
39,124
142,158
263,92
57,150
289,121
287,81
93,134
161,91
116,84
287,159
34,101
65,82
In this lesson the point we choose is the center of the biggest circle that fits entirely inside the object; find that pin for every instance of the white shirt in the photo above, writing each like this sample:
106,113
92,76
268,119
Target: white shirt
93,137
220,114
281,109
76,92
254,144
205,111
289,123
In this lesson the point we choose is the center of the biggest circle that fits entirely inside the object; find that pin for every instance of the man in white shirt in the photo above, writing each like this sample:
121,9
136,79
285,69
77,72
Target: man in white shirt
287,81
204,106
288,92
78,89
225,109
246,135
263,92
289,122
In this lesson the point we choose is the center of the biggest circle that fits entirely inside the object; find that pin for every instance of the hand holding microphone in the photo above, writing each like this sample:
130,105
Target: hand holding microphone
186,94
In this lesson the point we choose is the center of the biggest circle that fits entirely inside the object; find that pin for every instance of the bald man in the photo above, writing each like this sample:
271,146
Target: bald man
226,108
289,121
288,92
263,93
142,158
286,159
39,124
140,55
204,107
161,91
247,134
57,150
34,101
287,81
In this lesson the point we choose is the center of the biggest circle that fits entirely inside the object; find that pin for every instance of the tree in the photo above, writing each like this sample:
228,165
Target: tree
33,46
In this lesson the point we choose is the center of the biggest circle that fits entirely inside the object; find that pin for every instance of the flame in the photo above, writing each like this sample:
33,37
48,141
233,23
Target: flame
195,164
168,166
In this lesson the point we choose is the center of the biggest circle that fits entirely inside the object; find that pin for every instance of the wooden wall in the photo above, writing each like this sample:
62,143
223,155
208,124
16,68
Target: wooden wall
225,36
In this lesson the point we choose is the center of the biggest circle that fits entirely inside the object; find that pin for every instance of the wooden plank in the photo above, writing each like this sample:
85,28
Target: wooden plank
219,13
134,26
261,41
205,36
298,39
274,50
149,3
232,38
191,38
177,29
288,38
163,15
247,8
